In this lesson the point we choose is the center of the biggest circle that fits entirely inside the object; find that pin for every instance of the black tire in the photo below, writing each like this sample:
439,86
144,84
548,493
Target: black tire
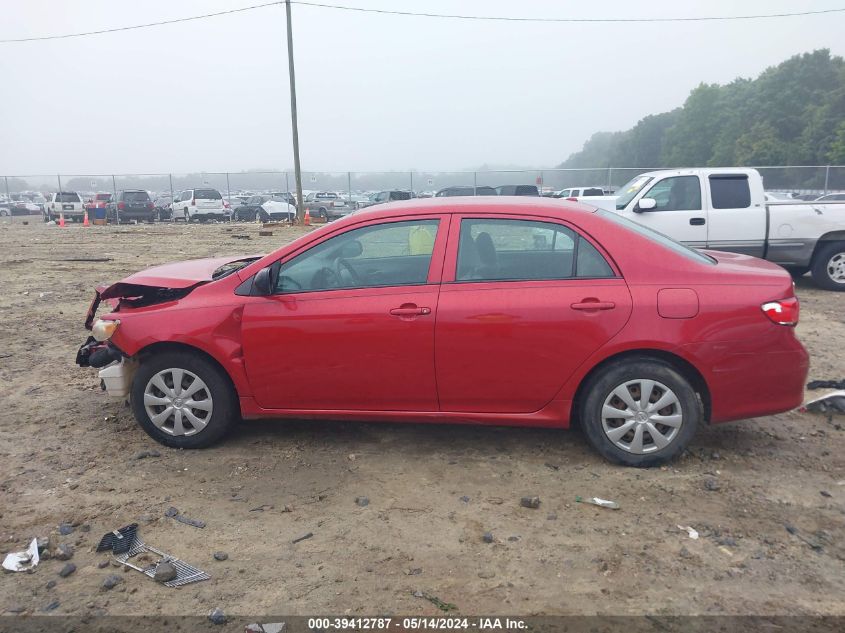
324,214
601,386
187,217
224,411
829,266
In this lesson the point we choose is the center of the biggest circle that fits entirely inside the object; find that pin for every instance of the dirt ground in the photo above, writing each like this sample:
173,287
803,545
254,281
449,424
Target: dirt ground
69,455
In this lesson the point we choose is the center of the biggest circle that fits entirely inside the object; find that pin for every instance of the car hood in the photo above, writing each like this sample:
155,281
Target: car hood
177,275
608,203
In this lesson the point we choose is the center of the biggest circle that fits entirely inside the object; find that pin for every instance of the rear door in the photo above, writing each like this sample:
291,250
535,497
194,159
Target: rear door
524,302
737,214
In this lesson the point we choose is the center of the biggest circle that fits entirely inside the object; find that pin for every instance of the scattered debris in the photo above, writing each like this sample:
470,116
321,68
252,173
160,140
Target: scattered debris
833,402
414,571
26,560
67,570
103,564
221,556
303,537
685,553
93,260
145,454
486,574
826,384
173,513
164,572
711,484
596,501
267,627
118,541
65,529
185,573
64,552
552,466
217,616
465,499
437,602
487,537
816,547
530,502
265,233
362,501
112,581
693,533
53,605
241,237
51,584
262,507
825,493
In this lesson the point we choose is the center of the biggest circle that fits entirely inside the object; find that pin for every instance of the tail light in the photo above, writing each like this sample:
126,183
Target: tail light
193,202
782,311
121,205
149,205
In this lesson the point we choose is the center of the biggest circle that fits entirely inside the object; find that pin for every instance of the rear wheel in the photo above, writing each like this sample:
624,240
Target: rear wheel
829,266
640,412
183,400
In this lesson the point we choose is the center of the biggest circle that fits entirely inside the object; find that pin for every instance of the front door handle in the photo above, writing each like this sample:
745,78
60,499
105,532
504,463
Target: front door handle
593,305
696,221
407,310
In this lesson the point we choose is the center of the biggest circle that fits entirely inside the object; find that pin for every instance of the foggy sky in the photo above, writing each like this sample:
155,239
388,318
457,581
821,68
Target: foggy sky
375,92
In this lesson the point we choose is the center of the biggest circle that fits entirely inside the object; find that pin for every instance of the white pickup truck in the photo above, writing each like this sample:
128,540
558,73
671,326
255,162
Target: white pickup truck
726,210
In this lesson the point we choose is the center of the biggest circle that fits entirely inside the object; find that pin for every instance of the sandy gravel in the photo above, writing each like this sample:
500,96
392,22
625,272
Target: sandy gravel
67,455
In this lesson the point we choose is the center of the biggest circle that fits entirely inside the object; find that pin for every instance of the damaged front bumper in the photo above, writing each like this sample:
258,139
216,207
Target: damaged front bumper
116,370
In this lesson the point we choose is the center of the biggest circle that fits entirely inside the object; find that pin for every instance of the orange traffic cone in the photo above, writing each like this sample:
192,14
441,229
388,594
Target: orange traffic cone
307,219
62,220
85,220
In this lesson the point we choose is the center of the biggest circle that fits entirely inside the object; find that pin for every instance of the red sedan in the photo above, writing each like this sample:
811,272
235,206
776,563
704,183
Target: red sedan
510,311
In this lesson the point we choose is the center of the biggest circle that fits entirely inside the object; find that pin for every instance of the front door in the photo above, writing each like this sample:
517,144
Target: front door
351,324
679,212
523,304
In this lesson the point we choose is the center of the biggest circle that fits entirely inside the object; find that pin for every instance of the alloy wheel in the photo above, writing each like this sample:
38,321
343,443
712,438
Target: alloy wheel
836,268
641,416
178,402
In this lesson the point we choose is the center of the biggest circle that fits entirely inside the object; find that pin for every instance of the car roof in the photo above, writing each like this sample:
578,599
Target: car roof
481,204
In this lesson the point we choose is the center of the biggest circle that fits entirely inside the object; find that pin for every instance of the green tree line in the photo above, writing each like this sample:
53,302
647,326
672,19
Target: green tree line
792,114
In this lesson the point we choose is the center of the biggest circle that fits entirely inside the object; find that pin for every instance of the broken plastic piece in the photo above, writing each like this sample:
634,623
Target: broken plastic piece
118,541
693,533
833,402
173,513
185,573
23,561
596,501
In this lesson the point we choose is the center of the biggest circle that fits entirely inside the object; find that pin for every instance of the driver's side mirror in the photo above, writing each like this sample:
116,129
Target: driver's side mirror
263,283
646,204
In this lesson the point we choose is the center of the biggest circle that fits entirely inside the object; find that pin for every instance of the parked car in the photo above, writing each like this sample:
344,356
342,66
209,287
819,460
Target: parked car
97,201
248,211
726,209
277,208
517,190
448,192
131,204
580,192
162,207
64,203
392,195
524,312
831,197
327,205
199,204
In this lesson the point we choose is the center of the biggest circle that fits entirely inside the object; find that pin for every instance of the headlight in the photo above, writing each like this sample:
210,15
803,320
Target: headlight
103,330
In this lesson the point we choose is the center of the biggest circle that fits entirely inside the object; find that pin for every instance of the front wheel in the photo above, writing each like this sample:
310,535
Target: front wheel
829,266
183,400
640,412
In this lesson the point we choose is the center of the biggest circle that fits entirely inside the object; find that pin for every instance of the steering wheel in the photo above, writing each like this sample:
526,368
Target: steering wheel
325,278
343,265
286,282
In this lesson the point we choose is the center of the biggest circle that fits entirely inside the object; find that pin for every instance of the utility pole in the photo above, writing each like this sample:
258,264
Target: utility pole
300,213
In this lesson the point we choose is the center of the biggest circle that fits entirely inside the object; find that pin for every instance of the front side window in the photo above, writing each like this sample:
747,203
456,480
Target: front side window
511,250
391,254
679,193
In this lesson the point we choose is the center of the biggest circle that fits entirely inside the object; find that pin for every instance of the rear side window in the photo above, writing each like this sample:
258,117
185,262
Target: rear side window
67,197
400,195
513,250
593,192
207,194
136,196
730,192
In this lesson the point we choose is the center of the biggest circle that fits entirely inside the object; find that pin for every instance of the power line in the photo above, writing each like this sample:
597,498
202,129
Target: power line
449,16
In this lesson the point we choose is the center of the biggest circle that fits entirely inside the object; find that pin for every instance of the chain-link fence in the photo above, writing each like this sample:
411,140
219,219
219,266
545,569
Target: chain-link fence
818,179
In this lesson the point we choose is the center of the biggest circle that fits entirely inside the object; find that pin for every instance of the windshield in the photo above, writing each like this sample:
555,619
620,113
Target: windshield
629,191
227,269
659,238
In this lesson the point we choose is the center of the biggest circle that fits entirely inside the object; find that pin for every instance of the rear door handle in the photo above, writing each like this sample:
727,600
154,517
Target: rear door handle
593,305
410,310
696,221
